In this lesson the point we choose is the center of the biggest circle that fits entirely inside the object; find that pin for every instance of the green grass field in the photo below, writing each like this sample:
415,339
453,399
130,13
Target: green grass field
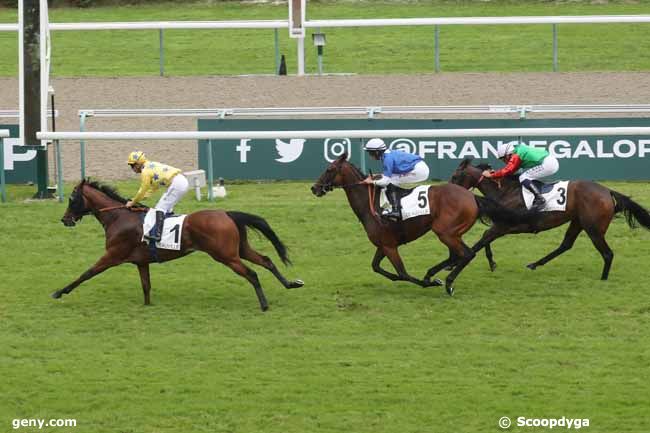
351,351
613,47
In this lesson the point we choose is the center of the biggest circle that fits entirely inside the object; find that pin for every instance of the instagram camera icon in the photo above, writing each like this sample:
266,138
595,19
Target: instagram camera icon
335,147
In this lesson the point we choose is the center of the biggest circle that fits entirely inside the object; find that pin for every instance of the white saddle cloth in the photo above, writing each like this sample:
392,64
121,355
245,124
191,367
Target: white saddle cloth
172,230
555,194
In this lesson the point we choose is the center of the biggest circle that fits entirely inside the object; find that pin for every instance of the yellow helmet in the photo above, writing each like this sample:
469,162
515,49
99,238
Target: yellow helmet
136,157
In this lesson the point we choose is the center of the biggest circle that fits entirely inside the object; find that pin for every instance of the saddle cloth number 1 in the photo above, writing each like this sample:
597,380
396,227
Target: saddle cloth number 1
172,230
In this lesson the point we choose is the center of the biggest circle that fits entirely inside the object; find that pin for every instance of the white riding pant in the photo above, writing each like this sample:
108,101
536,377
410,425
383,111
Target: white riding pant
174,193
548,167
420,173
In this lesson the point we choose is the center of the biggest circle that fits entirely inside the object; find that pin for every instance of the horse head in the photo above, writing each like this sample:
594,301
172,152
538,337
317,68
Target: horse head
78,206
340,173
466,175
88,197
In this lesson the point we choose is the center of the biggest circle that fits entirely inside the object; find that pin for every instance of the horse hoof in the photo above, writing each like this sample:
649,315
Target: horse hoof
493,267
295,284
56,295
436,282
450,291
531,266
264,308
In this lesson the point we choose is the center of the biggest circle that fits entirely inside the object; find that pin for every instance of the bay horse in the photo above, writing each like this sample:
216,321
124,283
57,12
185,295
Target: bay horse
221,234
590,207
453,211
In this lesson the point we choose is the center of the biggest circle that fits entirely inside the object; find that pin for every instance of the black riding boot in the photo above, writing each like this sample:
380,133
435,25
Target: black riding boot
538,201
395,213
156,231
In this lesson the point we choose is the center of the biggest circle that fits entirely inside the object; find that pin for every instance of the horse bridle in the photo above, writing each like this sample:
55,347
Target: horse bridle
329,186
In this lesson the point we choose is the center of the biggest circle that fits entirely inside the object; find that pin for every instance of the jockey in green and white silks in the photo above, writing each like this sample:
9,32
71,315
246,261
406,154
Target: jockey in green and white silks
536,163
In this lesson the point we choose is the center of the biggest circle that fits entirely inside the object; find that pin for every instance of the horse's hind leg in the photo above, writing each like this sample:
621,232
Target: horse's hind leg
468,255
246,252
143,269
243,270
598,239
567,243
463,253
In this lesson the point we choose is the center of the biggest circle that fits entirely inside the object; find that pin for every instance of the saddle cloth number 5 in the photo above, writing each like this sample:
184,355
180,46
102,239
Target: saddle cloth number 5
416,203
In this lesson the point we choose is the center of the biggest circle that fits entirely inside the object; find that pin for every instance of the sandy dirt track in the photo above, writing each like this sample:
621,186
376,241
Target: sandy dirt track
106,160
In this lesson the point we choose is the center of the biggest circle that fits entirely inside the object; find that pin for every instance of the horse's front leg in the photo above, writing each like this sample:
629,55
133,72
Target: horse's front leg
143,269
108,260
376,265
448,263
489,257
396,260
494,232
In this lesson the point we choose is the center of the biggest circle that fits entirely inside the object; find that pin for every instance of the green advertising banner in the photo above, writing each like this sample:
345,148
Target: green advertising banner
19,164
588,157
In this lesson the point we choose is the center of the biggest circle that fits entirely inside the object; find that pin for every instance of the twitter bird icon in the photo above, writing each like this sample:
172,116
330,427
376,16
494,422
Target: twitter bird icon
290,151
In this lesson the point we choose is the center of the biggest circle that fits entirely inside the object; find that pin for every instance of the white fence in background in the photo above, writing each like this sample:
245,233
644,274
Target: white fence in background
359,133
370,111
386,133
338,23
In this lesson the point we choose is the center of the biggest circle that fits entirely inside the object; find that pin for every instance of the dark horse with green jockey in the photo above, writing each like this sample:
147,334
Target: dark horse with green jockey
589,207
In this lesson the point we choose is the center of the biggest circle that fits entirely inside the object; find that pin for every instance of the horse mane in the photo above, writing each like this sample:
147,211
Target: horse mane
106,189
357,170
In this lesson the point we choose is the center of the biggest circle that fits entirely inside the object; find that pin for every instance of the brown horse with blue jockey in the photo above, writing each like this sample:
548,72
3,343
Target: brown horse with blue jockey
453,210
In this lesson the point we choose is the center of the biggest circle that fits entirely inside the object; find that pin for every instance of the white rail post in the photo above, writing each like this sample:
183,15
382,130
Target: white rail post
436,47
161,55
3,133
555,46
210,172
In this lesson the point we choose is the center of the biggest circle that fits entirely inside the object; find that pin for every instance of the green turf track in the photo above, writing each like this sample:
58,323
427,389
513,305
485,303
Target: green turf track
513,48
350,352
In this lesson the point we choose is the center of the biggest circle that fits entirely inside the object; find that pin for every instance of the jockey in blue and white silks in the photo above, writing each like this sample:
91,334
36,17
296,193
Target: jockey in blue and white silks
399,168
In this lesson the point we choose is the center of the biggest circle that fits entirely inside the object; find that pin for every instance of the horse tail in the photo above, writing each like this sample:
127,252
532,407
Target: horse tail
243,220
633,211
494,211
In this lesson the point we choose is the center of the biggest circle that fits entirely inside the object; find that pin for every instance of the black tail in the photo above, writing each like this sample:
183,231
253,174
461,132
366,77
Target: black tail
502,215
633,211
245,219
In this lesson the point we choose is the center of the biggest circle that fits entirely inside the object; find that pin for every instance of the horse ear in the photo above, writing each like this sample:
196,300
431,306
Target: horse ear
465,163
343,157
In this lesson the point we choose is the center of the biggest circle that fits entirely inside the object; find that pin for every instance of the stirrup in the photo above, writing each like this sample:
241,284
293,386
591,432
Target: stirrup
155,238
539,203
391,215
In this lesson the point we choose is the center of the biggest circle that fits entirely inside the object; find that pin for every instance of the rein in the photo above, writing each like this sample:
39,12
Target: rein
371,201
137,209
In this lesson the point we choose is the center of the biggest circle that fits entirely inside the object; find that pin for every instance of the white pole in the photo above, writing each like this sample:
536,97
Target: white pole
21,75
44,51
301,56
361,133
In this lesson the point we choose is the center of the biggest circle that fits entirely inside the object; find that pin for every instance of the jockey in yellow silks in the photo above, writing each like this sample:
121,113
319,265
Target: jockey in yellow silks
153,175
